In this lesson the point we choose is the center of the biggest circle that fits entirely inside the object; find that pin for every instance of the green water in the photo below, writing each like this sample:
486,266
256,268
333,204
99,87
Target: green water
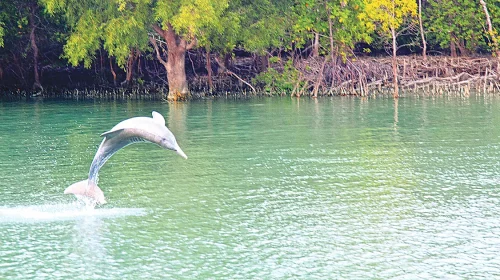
341,188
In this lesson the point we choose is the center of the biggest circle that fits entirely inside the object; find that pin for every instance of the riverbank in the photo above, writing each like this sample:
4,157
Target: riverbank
364,76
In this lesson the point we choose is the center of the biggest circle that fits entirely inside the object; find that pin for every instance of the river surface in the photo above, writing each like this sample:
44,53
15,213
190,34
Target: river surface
274,188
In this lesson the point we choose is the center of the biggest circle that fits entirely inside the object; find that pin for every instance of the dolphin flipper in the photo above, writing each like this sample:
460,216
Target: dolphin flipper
111,133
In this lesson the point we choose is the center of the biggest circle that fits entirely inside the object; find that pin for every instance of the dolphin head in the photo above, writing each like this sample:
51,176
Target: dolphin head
168,140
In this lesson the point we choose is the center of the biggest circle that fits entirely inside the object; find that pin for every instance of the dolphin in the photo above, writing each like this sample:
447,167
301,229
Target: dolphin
130,131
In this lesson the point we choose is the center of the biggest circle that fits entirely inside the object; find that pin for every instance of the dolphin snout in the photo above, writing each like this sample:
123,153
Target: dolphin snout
180,152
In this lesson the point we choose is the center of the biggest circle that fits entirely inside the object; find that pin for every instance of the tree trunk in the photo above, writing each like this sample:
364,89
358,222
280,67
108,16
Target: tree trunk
424,43
319,80
112,71
175,63
462,48
20,74
37,83
101,56
262,63
176,74
394,64
228,60
330,30
209,69
315,51
491,33
129,71
132,57
453,47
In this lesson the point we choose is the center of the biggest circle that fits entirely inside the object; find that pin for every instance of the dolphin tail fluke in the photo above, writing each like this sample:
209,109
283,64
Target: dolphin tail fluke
90,190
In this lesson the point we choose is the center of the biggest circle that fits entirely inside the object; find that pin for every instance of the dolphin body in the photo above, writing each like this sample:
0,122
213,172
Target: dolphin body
130,131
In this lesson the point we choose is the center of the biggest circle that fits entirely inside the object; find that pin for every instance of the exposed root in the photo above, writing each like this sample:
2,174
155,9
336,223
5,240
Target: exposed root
374,75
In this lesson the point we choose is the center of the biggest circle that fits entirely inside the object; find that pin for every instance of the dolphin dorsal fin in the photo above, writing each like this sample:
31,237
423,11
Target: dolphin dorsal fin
158,118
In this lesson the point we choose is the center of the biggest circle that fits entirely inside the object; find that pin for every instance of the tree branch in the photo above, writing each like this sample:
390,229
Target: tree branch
192,44
234,74
159,30
491,33
158,55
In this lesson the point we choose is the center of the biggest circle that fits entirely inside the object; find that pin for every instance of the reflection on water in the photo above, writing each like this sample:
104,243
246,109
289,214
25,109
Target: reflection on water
273,189
88,247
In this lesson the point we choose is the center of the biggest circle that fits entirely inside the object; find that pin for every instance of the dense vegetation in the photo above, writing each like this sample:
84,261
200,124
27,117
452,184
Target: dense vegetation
185,43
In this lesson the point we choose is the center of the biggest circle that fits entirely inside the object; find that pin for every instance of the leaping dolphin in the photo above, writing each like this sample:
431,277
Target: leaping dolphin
130,131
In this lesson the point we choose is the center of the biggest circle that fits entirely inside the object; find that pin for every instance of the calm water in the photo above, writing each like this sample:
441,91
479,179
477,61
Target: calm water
340,188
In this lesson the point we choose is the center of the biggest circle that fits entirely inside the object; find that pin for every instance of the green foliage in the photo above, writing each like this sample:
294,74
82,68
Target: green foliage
390,18
2,33
15,28
122,25
455,20
117,25
494,10
390,15
276,82
190,18
349,23
264,24
84,41
7,20
274,59
127,30
52,6
219,33
222,37
258,26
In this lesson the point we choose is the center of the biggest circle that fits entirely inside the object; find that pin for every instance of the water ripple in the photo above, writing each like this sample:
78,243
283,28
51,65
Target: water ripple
286,189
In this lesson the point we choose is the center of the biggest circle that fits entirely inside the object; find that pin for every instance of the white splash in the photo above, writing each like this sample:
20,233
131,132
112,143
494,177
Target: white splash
61,212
